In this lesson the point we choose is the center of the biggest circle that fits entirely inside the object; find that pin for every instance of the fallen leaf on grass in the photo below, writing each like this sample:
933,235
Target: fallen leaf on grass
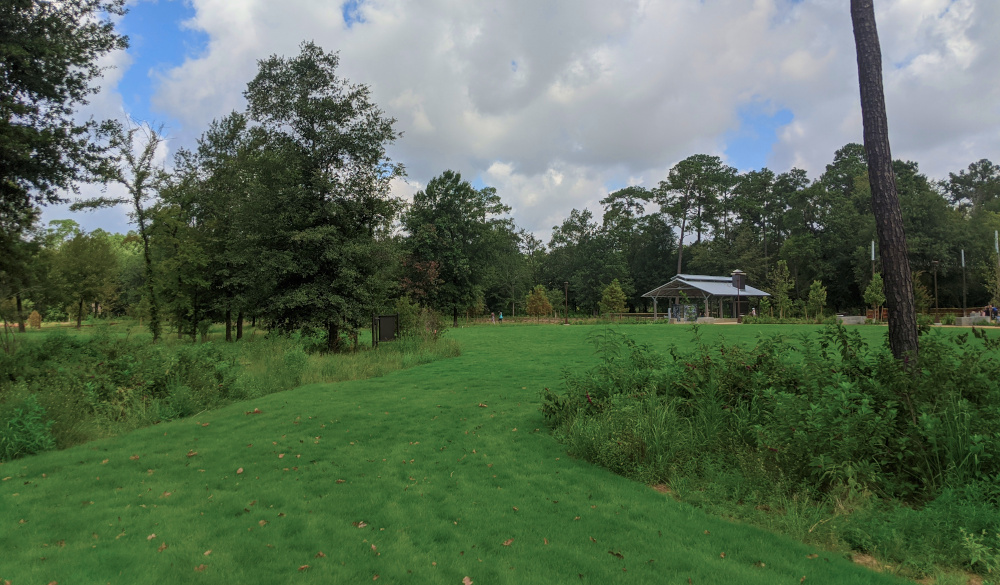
205,424
375,578
263,522
545,540
515,508
102,463
303,567
208,552
616,554
374,548
320,555
151,536
722,555
192,453
592,539
812,556
239,471
508,542
254,411
200,568
134,457
340,481
802,579
166,494
759,564
466,581
577,518
359,524
162,547
481,405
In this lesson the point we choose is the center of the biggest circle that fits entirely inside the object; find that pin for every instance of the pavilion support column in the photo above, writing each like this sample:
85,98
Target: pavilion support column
654,308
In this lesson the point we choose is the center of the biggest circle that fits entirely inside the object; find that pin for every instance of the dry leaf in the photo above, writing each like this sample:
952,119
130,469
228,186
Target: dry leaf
812,556
262,522
722,555
577,518
360,524
466,581
616,554
151,536
208,552
340,481
102,462
802,579
303,567
281,455
204,424
166,494
375,578
545,540
508,542
192,453
200,568
592,539
374,548
134,458
163,546
239,471
320,555
481,405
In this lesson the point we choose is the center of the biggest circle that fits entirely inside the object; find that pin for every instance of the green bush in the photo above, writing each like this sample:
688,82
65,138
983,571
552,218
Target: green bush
23,429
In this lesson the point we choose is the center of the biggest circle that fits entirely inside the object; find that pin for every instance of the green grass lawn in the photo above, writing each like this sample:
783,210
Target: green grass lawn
426,475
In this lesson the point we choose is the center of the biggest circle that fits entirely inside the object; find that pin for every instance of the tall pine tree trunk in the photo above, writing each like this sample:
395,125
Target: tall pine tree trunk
885,200
79,314
239,325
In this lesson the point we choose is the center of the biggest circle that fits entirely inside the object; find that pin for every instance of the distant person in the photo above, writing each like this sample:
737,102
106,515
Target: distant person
993,313
493,318
501,317
753,312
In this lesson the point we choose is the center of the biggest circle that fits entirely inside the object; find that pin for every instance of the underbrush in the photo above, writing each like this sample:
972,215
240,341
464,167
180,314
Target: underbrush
61,389
826,439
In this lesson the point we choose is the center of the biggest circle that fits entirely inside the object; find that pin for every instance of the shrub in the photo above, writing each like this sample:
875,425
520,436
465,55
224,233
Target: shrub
23,429
35,320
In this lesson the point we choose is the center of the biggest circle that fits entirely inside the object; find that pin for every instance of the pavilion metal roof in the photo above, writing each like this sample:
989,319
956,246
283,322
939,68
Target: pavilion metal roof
702,286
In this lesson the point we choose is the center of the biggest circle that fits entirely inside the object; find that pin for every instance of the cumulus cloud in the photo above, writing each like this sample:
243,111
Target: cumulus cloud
555,103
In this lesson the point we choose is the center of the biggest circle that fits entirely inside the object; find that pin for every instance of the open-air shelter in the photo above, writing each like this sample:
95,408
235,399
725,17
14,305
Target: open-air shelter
688,289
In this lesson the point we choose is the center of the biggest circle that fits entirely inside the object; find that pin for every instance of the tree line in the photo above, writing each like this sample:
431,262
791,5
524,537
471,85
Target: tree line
283,212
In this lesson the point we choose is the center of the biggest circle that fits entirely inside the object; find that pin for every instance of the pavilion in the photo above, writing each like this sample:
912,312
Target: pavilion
697,287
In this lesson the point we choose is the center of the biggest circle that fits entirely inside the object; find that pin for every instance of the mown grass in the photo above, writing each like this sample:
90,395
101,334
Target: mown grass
425,475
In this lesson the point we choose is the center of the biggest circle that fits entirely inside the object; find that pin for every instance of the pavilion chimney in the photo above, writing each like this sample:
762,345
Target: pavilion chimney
739,280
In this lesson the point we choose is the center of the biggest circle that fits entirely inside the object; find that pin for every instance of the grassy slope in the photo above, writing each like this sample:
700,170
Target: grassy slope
441,482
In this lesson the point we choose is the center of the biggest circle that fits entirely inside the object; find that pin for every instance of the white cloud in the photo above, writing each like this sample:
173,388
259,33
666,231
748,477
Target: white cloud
555,102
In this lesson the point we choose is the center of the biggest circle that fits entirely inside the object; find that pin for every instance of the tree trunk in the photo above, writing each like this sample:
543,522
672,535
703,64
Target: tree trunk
332,336
239,325
454,317
885,200
79,314
229,325
20,313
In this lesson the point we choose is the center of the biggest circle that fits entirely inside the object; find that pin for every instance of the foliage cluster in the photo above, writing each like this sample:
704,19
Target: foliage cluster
831,420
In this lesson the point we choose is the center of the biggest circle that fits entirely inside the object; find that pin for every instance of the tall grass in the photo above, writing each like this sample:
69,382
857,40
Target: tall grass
63,388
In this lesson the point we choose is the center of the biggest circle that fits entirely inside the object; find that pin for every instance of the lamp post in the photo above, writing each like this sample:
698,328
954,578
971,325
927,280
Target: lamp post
566,287
936,306
964,289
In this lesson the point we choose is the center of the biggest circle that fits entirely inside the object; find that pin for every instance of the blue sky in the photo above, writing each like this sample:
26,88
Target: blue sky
158,42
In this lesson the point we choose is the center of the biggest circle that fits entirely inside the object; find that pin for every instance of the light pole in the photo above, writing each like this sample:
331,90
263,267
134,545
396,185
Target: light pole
964,289
566,287
936,306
